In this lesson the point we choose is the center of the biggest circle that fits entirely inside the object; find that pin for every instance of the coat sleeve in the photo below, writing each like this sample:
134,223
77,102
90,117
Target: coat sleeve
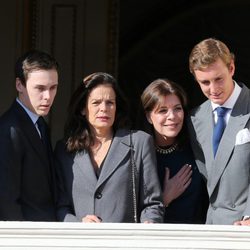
150,197
65,209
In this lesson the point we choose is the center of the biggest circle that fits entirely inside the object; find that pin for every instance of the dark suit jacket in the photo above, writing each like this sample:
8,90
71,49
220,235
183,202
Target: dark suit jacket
110,196
26,175
227,174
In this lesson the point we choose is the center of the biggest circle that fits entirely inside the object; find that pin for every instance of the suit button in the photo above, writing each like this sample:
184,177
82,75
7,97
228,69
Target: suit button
233,206
98,195
214,208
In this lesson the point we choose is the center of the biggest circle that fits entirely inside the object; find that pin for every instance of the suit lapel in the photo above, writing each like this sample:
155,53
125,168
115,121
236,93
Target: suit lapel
118,151
84,170
226,147
238,119
83,167
203,124
30,132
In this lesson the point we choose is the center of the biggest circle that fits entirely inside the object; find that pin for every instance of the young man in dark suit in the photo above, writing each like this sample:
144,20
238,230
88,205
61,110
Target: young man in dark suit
27,187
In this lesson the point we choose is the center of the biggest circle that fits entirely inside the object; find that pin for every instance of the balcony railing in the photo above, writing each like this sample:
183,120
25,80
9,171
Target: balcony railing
42,235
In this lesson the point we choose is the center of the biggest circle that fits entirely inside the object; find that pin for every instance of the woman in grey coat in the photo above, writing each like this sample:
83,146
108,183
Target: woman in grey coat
106,173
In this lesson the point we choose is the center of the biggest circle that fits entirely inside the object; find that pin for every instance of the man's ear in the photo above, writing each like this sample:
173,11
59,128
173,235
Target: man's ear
232,68
19,85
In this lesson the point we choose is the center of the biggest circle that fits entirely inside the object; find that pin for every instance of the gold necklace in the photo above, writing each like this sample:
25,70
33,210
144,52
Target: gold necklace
167,150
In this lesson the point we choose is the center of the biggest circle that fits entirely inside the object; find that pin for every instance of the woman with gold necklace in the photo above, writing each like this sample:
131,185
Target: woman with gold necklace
184,191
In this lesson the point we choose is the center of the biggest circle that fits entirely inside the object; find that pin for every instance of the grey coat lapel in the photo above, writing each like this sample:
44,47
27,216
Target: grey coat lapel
204,122
84,170
238,119
118,151
83,166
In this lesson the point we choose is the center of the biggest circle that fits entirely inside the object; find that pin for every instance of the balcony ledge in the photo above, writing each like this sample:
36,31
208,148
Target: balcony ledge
58,235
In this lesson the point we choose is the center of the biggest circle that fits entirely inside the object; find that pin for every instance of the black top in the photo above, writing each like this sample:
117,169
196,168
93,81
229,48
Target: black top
191,205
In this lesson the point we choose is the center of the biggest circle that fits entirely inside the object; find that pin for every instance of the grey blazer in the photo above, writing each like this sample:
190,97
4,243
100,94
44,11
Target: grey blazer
228,174
110,196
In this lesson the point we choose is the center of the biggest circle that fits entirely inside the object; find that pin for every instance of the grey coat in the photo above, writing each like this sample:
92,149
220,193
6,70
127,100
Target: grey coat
228,174
110,196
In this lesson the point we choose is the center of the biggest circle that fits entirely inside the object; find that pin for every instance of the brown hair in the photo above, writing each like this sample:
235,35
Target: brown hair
151,98
207,52
161,87
77,132
31,61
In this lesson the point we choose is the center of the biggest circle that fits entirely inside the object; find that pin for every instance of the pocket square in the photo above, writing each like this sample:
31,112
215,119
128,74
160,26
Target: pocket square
242,137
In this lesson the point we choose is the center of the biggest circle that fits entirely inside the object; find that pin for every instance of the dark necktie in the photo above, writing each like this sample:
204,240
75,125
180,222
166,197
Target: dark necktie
43,132
219,127
42,126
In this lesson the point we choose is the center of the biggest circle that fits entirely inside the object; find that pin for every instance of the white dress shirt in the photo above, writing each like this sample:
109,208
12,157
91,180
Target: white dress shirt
229,103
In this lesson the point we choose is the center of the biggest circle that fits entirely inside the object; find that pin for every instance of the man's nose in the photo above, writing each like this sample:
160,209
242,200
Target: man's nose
46,94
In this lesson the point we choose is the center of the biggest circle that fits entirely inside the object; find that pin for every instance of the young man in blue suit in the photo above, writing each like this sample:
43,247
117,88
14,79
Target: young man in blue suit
27,188
219,130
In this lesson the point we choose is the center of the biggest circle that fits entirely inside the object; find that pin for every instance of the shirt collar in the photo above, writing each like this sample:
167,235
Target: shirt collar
32,115
229,103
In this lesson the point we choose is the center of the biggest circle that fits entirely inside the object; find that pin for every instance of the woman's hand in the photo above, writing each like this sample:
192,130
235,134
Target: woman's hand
91,219
242,222
175,186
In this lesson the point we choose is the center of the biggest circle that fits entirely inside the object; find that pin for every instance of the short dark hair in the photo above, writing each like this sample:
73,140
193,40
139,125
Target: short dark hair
33,60
77,132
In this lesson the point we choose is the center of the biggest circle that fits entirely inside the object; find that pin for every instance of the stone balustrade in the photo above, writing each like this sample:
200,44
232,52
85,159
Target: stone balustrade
65,236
